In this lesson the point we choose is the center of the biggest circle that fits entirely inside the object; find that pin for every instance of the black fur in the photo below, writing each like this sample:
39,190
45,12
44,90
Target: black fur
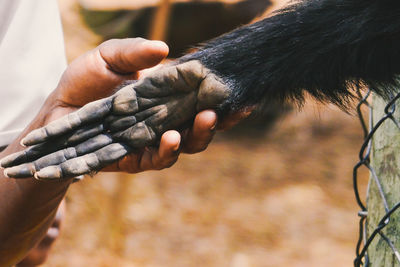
324,47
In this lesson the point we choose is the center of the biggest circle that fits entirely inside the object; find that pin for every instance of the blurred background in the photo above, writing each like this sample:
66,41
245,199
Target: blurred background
275,191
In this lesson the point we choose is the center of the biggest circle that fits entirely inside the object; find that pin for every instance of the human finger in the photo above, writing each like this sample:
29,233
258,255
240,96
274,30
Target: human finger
165,155
98,73
201,133
130,55
231,120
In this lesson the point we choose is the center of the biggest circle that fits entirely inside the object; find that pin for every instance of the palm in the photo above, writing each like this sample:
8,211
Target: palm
106,130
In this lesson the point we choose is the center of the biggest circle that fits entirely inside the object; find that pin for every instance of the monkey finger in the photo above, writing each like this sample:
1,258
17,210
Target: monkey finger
85,164
36,151
58,157
88,113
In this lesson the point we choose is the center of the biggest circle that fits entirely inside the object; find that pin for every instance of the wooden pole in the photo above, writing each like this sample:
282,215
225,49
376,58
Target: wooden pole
159,27
385,161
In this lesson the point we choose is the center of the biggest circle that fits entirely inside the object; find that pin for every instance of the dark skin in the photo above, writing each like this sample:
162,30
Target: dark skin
28,206
40,252
279,59
104,131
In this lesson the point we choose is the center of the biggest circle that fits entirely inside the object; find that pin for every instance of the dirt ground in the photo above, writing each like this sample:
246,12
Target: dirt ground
282,197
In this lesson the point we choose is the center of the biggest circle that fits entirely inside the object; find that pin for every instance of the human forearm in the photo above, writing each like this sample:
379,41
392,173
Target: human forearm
27,206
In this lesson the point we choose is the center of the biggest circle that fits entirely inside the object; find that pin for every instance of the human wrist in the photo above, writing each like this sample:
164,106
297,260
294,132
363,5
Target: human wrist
51,110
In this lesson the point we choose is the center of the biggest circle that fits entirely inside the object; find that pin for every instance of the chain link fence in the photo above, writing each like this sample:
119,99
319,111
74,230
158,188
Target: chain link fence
370,128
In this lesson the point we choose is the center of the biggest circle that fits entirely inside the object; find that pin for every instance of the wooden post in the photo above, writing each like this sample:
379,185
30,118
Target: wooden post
159,27
385,161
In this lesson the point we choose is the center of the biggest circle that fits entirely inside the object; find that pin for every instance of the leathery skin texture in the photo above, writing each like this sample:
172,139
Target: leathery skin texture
105,130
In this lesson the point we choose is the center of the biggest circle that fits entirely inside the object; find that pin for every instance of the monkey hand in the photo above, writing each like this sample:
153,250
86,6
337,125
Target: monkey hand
104,131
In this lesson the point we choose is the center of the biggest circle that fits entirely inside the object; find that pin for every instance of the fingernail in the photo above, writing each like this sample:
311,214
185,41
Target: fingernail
177,149
80,177
158,43
178,145
8,160
21,171
22,142
53,233
49,173
213,127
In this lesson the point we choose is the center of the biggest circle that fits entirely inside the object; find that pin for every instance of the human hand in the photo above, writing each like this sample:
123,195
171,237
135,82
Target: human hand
97,73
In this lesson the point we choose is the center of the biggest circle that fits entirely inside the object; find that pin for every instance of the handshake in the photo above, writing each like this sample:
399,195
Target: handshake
128,123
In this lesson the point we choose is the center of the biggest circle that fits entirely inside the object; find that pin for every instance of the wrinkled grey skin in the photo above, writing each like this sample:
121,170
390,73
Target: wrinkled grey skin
105,130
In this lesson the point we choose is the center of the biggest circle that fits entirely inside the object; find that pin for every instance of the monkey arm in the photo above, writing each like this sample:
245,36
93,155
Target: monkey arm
323,47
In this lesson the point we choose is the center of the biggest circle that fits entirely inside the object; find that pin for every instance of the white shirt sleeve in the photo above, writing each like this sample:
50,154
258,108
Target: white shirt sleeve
32,60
